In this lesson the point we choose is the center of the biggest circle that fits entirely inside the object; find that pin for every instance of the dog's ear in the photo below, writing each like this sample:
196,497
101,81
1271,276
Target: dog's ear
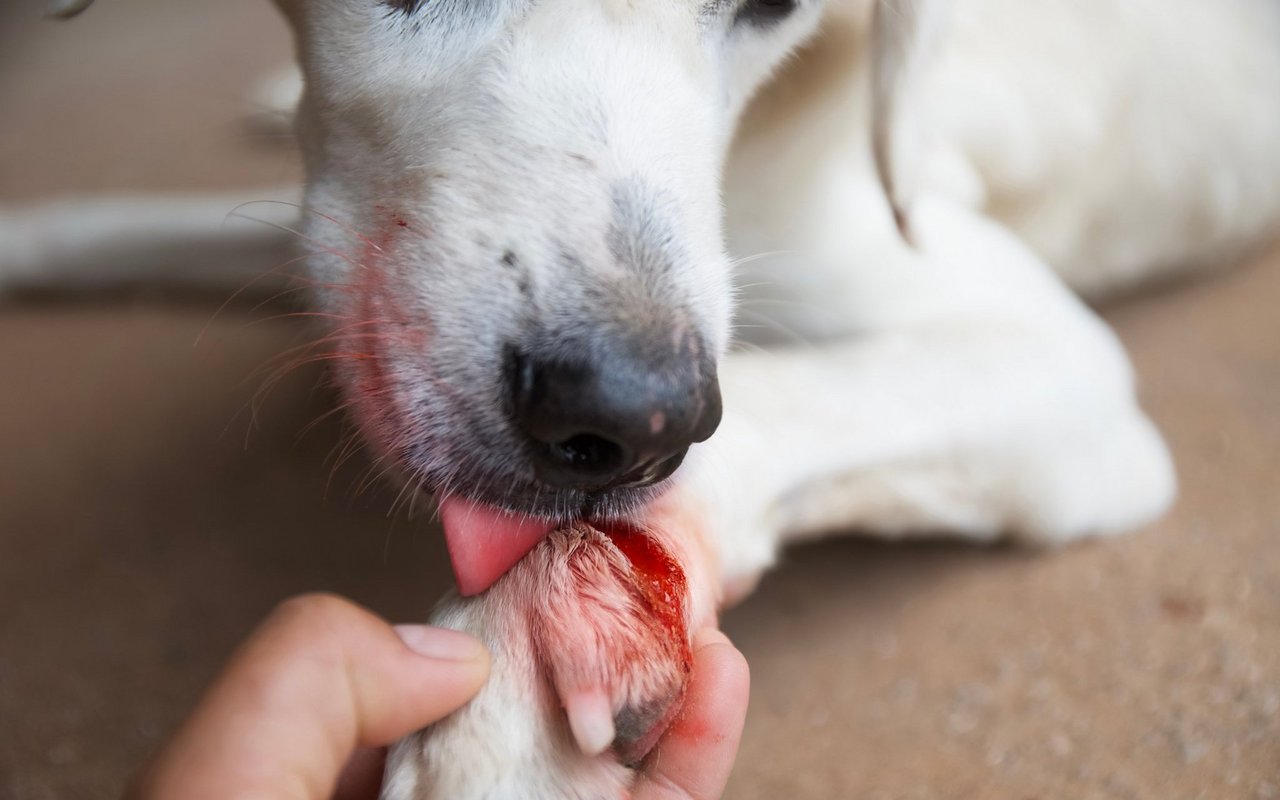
905,35
65,9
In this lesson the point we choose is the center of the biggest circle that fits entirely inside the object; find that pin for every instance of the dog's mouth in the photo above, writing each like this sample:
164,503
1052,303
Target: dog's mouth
494,510
502,482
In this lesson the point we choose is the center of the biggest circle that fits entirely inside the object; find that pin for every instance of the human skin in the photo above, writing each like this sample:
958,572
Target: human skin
307,705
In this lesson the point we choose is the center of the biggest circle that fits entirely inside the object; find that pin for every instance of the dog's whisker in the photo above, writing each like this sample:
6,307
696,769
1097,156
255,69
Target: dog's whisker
744,345
338,336
275,298
738,289
418,477
387,465
769,323
272,381
807,306
306,209
346,450
308,315
346,257
360,485
325,416
341,333
409,483
241,290
743,261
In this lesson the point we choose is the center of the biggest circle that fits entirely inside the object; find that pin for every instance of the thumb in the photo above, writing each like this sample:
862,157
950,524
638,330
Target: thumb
318,679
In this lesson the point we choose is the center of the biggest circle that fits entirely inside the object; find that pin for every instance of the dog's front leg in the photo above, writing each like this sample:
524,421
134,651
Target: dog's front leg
981,399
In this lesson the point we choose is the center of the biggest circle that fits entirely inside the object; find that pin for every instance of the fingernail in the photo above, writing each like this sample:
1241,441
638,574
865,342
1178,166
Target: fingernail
441,643
709,636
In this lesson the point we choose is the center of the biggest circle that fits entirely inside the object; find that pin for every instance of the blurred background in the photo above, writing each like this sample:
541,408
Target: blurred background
146,525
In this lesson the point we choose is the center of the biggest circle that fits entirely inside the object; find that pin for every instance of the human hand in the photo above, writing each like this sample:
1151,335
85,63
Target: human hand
695,756
308,703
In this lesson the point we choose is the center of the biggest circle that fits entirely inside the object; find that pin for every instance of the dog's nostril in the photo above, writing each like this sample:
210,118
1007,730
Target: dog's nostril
610,418
588,454
653,472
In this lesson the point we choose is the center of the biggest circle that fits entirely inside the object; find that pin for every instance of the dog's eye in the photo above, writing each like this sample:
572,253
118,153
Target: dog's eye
765,12
405,7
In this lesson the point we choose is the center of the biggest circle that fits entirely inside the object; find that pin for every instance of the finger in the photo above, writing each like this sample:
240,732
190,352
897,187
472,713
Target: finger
318,679
694,758
361,778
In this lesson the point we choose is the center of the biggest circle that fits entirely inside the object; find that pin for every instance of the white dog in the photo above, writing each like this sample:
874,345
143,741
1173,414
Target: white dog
520,214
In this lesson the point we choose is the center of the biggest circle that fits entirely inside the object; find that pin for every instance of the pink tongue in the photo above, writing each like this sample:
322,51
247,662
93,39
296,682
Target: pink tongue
484,542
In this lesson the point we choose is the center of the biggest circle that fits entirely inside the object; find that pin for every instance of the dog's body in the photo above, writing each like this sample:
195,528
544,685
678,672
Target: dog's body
544,177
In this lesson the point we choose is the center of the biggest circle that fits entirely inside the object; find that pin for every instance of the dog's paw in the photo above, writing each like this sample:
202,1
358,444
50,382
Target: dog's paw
590,636
1109,476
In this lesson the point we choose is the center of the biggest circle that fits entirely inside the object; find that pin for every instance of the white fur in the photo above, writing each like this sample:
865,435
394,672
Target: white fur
1036,149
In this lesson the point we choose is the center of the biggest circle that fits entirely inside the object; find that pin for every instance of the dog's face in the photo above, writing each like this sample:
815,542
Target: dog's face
516,227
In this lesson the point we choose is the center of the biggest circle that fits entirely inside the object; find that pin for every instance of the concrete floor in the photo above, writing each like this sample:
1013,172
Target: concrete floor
144,527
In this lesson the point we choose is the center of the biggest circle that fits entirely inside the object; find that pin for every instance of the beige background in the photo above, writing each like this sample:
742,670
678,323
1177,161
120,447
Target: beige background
144,527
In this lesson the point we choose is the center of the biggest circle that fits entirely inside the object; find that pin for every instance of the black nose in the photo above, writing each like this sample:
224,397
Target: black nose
607,421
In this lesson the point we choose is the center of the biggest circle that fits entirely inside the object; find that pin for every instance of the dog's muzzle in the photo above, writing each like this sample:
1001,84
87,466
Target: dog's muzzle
605,420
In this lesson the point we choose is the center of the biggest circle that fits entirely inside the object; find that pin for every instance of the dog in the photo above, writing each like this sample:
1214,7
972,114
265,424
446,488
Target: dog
529,224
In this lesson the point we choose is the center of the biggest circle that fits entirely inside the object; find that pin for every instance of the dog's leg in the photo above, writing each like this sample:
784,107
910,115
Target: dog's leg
216,243
980,398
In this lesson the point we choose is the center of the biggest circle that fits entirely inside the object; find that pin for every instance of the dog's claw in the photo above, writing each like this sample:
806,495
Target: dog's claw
591,720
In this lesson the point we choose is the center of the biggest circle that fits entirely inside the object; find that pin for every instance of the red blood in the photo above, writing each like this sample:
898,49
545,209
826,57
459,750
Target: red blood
660,584
695,730
660,580
377,324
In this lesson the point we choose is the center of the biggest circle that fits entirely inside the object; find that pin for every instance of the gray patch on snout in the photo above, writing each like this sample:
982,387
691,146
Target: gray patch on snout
629,299
597,314
642,235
